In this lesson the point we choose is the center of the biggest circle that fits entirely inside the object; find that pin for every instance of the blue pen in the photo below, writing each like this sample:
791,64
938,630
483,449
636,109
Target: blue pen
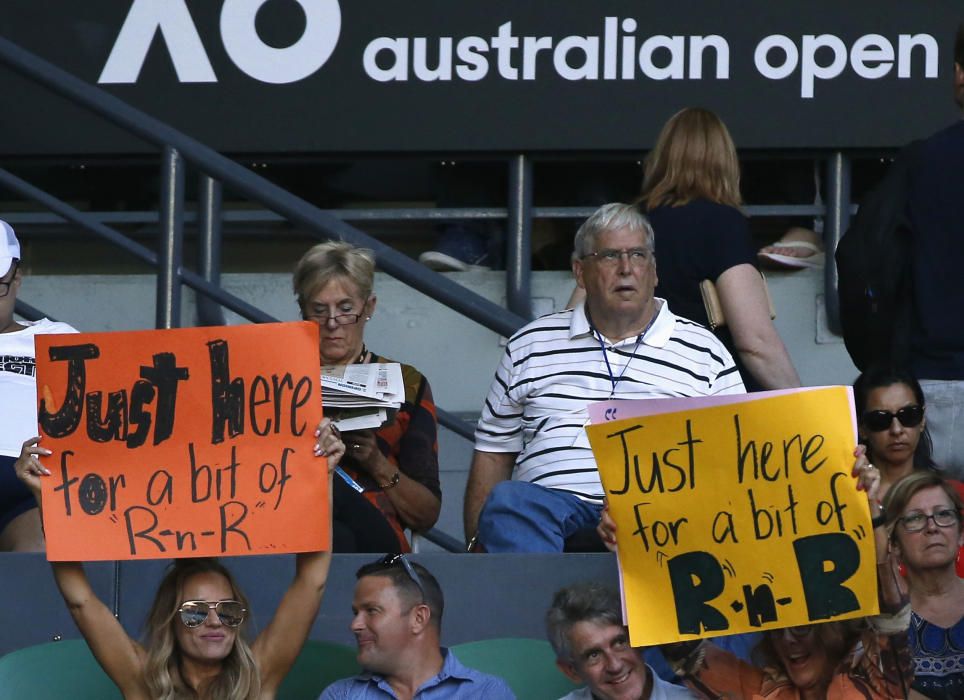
348,480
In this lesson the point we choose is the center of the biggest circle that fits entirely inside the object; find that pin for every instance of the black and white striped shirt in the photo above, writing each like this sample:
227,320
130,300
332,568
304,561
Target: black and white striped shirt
554,367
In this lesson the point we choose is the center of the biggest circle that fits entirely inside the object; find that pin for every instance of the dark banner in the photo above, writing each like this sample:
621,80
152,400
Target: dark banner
323,76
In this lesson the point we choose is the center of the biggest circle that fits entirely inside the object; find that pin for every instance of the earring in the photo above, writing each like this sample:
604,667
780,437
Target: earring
368,318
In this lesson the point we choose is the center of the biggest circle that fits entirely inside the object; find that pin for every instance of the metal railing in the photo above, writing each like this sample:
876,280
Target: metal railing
178,147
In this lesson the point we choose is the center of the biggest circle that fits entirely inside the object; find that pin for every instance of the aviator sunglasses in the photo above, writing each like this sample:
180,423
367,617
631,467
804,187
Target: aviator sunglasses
909,417
390,560
195,612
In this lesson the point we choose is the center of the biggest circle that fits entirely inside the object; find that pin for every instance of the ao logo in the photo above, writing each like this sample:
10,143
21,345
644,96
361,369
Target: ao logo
241,41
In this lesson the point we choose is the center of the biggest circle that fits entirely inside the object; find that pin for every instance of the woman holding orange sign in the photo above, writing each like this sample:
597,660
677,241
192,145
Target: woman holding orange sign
195,645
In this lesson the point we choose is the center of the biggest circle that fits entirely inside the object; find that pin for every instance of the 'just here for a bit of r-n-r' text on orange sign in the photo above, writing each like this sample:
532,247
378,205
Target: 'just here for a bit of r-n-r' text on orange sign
188,442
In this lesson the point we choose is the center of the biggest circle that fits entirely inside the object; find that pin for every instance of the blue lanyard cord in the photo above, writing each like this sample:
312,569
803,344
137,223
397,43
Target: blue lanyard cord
602,346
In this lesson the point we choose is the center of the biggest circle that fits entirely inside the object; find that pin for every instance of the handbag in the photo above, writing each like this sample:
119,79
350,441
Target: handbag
714,309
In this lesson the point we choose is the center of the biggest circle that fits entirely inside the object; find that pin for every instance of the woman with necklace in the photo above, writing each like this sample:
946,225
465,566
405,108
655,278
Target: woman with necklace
390,481
19,518
924,522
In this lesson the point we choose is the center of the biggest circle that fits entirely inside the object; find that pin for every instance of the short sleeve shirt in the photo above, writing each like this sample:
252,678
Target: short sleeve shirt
697,241
453,682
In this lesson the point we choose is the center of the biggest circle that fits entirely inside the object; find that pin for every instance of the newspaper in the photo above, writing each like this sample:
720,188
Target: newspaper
358,397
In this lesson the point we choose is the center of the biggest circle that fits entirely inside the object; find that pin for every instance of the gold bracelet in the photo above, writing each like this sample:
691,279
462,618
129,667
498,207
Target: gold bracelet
393,482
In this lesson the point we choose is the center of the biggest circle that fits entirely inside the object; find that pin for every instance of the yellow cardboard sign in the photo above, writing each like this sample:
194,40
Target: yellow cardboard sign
738,517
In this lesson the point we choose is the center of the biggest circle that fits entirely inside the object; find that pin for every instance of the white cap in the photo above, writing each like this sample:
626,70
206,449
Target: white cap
9,247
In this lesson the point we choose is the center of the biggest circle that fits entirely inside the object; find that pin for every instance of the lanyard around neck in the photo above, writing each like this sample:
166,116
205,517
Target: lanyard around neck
609,368
602,346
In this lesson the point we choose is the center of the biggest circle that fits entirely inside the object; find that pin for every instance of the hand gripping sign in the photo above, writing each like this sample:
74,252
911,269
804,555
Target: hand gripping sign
736,514
182,443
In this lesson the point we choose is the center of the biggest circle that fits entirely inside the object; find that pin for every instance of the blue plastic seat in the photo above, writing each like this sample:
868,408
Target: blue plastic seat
527,665
319,665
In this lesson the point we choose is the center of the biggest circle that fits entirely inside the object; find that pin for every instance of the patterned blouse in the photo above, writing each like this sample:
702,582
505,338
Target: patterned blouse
410,442
938,658
877,668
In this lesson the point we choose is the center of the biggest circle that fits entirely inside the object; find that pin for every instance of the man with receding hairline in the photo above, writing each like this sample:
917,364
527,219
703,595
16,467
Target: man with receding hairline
397,620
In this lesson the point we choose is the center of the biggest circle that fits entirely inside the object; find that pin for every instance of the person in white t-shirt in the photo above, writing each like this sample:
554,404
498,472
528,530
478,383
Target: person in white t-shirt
585,628
19,518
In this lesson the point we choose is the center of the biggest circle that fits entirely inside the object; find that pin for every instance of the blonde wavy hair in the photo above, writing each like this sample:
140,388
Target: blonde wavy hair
694,158
239,679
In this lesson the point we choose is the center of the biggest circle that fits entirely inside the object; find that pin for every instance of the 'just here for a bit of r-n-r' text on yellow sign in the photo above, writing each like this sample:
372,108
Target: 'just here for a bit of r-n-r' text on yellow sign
737,517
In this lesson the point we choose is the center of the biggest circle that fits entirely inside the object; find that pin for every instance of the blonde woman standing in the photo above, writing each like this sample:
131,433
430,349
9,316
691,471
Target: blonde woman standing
691,194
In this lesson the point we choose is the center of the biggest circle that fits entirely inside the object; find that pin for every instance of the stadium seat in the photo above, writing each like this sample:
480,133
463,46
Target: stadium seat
527,665
64,669
67,669
318,666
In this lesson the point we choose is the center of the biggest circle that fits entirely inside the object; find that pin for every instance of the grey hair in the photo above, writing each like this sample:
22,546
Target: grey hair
581,602
611,217
327,261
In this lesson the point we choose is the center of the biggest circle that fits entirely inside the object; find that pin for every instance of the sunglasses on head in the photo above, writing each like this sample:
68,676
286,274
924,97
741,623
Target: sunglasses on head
194,612
390,560
909,417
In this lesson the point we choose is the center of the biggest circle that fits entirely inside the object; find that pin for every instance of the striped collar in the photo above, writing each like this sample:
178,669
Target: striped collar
657,336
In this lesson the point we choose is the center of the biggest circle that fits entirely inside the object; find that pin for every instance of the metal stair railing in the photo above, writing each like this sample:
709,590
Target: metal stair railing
192,279
178,147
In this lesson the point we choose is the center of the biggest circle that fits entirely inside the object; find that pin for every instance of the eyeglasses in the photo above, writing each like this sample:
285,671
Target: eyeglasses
909,417
195,612
5,286
390,560
610,257
917,521
340,319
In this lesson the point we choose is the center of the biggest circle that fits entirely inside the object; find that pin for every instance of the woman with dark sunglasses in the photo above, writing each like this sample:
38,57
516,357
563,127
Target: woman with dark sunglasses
924,524
891,422
195,647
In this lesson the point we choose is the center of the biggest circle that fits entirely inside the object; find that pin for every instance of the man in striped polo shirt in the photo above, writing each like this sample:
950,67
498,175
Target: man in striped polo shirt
534,481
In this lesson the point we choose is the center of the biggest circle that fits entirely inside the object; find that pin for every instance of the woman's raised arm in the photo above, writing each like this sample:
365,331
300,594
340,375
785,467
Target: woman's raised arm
120,656
278,646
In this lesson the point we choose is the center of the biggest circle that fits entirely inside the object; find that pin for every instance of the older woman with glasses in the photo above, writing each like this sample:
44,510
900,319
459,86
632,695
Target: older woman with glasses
391,474
195,645
924,520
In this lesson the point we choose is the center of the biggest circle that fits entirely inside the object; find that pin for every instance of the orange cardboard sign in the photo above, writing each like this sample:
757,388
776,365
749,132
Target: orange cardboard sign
182,443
